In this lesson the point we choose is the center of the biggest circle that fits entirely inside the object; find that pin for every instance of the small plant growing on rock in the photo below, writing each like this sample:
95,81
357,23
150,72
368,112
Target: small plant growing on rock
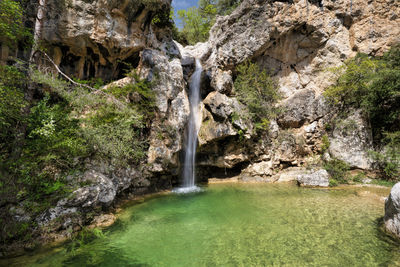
325,144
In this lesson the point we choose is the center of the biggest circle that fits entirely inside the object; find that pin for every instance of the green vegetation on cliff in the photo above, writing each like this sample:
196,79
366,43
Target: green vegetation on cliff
372,84
258,92
12,27
60,128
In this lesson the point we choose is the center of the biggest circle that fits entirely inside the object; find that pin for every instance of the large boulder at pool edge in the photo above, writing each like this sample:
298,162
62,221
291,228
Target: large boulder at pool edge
392,211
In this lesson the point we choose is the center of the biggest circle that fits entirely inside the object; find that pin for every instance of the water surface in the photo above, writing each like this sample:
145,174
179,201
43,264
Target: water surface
241,225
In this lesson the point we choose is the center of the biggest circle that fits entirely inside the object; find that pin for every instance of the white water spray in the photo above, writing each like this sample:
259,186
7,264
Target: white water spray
193,130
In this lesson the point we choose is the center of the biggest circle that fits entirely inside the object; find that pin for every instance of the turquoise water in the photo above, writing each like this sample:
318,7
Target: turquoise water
240,225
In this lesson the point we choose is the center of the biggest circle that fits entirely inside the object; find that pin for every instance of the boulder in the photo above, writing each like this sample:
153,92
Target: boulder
289,174
100,191
263,168
351,140
314,178
392,211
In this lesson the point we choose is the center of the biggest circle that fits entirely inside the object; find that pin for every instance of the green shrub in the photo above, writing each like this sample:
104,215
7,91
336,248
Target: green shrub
12,29
359,177
258,92
337,169
325,143
388,161
372,84
12,84
333,182
197,23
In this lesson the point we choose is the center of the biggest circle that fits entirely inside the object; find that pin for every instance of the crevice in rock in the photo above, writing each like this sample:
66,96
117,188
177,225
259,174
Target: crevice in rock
206,172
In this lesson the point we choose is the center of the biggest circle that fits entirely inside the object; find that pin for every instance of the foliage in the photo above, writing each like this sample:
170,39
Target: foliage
388,161
359,177
373,85
337,169
12,82
112,128
197,23
223,7
258,92
65,126
164,18
11,22
325,143
333,182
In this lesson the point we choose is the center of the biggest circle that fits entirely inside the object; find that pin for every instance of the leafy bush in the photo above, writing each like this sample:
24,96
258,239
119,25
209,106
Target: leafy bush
12,27
388,161
325,143
110,122
373,85
337,169
12,82
258,92
197,23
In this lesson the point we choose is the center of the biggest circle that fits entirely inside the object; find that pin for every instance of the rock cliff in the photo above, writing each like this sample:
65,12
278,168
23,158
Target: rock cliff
297,42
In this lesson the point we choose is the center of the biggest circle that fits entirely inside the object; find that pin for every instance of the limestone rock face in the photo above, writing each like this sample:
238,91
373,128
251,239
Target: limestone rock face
89,38
314,178
297,42
166,137
351,140
99,191
392,211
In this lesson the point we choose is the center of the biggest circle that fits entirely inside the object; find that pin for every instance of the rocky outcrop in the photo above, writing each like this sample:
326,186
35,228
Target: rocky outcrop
100,191
92,38
352,140
392,211
297,42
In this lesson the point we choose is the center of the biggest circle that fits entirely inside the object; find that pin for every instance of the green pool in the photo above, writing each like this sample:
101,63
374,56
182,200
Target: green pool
240,225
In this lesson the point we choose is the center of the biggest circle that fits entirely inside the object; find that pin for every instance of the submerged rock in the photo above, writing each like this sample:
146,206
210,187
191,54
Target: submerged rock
314,178
392,211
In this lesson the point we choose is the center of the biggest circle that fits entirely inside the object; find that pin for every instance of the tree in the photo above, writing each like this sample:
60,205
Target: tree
258,92
223,7
31,86
197,23
12,27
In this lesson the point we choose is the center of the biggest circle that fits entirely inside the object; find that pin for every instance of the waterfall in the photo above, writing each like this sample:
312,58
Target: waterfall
193,130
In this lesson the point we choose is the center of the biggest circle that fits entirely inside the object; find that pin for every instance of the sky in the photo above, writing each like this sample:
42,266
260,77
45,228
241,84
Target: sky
182,4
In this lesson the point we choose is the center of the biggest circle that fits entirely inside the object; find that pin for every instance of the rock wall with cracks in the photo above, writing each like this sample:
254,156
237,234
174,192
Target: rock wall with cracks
95,38
297,42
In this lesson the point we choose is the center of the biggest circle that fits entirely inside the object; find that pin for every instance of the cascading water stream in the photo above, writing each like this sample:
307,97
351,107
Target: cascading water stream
193,130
